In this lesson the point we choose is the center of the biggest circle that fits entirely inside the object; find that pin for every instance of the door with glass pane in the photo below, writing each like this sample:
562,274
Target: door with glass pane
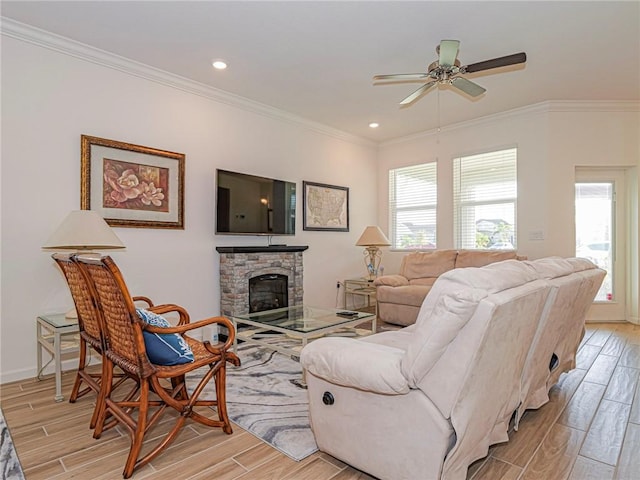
600,236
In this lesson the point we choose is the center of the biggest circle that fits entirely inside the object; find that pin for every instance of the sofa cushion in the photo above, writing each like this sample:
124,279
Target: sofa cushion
451,312
423,282
480,258
391,281
551,267
405,295
580,264
365,366
427,264
493,278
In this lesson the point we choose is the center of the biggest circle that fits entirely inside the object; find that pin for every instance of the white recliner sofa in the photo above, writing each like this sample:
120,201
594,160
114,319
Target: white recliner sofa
426,401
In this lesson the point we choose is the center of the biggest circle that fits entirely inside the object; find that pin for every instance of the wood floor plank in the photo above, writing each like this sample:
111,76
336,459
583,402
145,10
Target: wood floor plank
586,356
538,437
631,356
494,469
622,385
599,338
580,410
318,469
634,417
615,344
535,424
226,470
587,469
602,369
555,457
606,433
629,462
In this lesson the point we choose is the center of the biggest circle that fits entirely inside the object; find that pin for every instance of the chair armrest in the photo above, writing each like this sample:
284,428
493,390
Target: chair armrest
182,329
391,281
352,363
170,307
146,300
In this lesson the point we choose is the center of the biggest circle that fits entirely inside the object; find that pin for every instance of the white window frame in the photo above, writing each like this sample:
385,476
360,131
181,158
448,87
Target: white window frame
470,174
426,200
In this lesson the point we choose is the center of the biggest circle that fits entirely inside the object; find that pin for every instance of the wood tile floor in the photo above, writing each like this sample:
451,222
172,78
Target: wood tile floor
589,430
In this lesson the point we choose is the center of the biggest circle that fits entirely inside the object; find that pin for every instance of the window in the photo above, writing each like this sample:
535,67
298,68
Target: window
484,196
413,193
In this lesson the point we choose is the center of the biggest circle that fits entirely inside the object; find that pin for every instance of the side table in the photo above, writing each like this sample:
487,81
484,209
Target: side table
52,333
362,287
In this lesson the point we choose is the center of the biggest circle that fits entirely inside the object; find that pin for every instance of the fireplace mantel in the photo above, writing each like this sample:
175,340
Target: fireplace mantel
263,249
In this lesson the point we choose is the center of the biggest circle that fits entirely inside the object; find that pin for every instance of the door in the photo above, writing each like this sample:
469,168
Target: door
600,236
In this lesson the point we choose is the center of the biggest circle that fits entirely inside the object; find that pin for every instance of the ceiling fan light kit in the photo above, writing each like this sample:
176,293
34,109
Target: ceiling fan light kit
447,70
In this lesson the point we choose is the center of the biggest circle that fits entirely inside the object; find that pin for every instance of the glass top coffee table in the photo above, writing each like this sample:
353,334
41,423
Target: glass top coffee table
288,330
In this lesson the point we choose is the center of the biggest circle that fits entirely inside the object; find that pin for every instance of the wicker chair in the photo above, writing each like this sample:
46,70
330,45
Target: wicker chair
160,386
90,329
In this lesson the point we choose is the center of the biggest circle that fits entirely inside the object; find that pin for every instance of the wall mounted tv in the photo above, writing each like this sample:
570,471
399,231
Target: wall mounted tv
254,205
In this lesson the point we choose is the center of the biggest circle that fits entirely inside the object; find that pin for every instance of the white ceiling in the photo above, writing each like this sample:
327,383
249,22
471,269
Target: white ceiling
316,59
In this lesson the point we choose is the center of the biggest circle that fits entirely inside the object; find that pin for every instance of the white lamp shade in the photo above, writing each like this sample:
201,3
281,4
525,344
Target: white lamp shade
83,230
373,236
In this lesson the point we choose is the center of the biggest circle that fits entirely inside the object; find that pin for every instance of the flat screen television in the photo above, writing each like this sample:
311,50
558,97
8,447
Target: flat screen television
254,205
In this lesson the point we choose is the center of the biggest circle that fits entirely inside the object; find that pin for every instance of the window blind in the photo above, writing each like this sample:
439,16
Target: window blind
413,195
485,194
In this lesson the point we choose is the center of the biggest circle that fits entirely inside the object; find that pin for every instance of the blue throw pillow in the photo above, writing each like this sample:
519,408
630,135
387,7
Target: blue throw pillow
164,348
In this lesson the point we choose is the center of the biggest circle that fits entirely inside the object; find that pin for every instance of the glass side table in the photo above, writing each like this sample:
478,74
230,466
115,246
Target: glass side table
361,287
58,336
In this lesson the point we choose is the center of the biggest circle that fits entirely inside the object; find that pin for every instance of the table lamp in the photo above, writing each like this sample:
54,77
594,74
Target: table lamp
83,231
372,238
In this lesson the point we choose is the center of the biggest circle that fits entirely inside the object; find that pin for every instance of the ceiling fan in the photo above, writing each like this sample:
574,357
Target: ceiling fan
447,70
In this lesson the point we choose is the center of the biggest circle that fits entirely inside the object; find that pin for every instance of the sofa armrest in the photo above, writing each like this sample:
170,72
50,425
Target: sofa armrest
352,363
391,281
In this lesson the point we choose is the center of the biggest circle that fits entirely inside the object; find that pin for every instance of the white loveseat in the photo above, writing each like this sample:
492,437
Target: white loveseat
426,401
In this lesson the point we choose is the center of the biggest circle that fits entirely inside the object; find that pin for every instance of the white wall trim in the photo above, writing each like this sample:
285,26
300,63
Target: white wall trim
537,108
66,46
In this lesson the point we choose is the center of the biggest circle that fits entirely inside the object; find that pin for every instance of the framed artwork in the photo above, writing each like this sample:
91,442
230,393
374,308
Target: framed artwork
131,185
325,207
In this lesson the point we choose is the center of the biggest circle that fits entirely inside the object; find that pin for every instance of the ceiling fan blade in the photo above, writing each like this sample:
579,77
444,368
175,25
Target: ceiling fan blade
467,86
417,93
496,62
401,76
448,51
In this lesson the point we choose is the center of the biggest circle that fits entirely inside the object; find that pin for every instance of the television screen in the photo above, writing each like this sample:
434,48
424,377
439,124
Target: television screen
253,205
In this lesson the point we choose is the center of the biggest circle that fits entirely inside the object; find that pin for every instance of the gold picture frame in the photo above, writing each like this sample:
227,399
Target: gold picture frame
132,185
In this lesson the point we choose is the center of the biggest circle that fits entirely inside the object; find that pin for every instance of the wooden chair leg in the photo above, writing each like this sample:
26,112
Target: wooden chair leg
137,436
81,364
221,396
106,388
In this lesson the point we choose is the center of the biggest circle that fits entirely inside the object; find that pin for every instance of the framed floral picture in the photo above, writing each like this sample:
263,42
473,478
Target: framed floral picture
131,185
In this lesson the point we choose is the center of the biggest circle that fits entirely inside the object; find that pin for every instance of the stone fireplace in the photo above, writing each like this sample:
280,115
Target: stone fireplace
270,275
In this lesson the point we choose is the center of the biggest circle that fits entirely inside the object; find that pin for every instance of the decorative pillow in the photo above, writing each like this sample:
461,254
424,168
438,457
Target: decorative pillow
164,348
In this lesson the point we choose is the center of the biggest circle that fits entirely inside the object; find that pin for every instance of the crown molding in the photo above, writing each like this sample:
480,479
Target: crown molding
537,108
42,38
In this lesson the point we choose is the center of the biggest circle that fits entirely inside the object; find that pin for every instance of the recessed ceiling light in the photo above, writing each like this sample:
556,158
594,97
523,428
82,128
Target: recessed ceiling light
374,125
219,64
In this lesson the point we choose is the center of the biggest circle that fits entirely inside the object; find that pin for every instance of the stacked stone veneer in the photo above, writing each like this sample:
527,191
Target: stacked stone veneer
239,264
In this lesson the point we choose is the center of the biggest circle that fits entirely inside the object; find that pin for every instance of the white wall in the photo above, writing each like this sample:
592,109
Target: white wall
552,139
49,99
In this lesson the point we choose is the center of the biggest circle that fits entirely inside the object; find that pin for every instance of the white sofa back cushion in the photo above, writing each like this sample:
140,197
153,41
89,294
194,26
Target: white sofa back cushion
492,278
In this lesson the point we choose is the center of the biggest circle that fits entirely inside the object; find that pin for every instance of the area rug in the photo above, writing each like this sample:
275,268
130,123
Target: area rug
263,398
10,468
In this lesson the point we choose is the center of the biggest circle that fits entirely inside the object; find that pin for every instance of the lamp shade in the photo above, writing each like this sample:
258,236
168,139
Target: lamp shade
373,236
83,230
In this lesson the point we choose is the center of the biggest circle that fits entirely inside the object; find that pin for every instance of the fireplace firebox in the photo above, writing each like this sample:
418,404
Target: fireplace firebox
267,292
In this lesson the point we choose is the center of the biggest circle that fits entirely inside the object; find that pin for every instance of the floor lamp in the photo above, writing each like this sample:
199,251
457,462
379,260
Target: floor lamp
83,231
372,238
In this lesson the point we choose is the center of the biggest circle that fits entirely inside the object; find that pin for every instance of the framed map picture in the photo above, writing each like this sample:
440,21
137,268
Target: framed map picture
325,207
